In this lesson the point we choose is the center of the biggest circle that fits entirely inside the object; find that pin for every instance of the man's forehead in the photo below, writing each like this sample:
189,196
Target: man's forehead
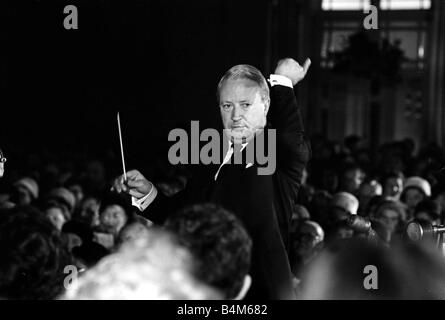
239,87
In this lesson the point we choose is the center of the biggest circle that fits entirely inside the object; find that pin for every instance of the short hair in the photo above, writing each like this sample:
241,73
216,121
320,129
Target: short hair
220,244
245,71
33,255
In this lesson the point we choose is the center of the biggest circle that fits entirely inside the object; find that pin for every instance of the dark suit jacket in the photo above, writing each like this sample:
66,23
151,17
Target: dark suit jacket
293,153
263,202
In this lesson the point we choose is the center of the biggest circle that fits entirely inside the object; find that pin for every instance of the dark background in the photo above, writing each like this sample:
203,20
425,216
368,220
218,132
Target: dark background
156,62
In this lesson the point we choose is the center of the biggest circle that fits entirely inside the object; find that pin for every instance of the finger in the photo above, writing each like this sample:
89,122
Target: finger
136,184
135,194
133,174
306,65
116,187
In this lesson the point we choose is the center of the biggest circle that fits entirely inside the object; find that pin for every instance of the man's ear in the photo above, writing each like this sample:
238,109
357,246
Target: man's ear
246,286
266,105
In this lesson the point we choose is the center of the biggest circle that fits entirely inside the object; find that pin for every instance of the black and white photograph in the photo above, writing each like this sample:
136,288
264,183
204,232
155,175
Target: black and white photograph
224,155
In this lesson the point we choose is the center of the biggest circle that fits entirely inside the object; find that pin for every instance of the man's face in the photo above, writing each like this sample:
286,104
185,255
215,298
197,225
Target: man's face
55,215
243,109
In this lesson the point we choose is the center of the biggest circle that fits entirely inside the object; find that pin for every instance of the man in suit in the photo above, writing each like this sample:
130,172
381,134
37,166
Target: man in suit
261,201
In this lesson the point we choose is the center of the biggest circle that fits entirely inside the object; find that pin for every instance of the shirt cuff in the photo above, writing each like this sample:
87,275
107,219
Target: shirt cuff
279,80
146,200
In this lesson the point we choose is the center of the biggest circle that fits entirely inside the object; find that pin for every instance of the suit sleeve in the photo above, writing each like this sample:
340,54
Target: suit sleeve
293,149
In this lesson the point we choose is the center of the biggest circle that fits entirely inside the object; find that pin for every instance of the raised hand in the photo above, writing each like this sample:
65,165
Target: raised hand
290,68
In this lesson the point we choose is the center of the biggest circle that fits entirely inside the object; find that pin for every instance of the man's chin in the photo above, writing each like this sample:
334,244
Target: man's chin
239,137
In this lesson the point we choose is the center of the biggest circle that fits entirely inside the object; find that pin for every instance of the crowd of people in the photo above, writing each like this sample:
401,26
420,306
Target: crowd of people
78,221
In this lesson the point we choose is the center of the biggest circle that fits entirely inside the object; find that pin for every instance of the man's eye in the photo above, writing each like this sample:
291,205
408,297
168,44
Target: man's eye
245,105
226,107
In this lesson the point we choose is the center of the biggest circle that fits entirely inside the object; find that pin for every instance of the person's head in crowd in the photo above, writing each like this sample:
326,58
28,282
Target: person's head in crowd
439,197
355,269
338,230
382,231
243,98
95,176
2,163
114,213
85,251
368,189
131,232
343,205
76,189
299,215
330,180
220,245
372,205
415,190
428,210
56,214
33,255
174,181
393,185
392,214
26,191
88,211
64,199
77,233
351,179
306,243
353,144
320,205
153,267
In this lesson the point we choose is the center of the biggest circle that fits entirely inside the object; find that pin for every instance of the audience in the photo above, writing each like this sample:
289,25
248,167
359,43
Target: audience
352,211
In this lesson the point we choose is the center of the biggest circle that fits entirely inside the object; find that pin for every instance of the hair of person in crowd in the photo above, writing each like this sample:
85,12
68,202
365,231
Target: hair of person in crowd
392,214
25,191
220,244
152,267
33,255
414,191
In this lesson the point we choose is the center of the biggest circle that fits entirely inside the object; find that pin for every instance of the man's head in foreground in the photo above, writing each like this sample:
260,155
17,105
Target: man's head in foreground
33,256
220,245
152,267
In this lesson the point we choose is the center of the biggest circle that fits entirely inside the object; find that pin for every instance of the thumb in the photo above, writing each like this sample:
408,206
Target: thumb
306,65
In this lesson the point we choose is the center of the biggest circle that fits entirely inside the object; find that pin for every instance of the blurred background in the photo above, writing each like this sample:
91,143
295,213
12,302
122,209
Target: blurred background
159,62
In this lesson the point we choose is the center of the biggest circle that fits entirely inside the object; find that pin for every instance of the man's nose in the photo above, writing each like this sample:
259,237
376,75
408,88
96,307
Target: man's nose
237,113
